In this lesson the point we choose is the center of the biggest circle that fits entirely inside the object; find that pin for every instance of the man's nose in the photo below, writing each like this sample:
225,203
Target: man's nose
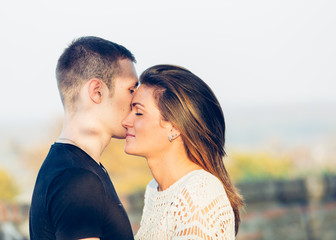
126,122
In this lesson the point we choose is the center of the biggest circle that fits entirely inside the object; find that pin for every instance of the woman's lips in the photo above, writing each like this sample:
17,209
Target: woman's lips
128,136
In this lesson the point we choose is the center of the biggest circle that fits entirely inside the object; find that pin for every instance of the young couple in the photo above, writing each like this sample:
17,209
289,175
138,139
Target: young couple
172,118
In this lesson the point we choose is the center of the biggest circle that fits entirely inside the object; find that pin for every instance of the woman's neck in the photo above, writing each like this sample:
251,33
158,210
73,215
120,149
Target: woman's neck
169,168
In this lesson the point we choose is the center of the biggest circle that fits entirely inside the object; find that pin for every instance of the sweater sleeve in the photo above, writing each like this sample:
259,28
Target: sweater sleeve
76,203
202,211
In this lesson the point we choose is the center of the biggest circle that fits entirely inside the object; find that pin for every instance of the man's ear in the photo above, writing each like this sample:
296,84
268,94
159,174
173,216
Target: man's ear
95,88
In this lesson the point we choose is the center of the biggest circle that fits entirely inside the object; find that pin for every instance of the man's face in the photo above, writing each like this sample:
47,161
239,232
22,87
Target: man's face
119,104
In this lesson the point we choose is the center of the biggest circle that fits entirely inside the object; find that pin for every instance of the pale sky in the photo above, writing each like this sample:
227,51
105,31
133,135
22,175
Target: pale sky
250,52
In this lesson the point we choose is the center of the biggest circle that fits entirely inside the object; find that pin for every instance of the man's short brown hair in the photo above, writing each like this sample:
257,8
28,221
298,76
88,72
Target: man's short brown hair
87,58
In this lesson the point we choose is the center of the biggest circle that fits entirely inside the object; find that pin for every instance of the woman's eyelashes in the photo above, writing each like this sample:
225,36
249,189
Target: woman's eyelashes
138,114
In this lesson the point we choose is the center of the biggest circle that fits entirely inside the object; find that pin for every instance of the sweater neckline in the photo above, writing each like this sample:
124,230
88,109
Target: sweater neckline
154,185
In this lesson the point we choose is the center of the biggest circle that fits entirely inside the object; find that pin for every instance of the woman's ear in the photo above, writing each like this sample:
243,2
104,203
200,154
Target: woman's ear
174,133
95,88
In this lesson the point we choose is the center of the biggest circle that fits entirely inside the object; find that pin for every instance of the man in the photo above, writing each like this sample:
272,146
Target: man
74,197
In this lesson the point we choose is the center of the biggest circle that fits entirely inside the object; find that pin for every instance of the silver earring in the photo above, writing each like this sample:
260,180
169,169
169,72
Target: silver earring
170,138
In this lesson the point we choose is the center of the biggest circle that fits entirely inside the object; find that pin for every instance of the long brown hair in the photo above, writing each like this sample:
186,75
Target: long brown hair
190,105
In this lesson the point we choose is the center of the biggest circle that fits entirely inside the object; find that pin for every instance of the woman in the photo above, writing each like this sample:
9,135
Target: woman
177,124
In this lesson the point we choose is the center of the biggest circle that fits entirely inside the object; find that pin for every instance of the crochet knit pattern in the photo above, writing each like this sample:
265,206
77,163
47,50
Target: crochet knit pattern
195,207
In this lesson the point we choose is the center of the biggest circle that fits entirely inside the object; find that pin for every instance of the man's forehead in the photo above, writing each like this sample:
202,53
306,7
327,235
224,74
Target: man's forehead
127,67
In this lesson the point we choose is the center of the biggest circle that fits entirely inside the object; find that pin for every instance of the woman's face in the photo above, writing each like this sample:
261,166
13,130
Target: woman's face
147,134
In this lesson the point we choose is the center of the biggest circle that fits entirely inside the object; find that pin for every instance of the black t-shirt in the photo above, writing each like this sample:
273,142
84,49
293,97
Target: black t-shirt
74,198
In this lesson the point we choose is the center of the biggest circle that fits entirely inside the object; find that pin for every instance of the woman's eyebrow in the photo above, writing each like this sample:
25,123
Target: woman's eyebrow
137,103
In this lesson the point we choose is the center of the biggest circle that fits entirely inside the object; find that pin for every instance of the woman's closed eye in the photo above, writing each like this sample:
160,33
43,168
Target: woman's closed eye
138,114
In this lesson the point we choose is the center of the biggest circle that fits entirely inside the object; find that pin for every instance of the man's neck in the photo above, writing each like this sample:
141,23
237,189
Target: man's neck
83,135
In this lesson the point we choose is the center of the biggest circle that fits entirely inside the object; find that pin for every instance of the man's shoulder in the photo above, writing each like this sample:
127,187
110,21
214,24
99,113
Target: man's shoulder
66,163
77,176
76,186
63,155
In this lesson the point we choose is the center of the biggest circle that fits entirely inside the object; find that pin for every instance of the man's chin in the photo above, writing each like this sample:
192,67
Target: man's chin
120,136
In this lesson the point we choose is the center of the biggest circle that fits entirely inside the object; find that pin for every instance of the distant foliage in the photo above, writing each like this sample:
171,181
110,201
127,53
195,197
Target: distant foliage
8,187
244,167
128,173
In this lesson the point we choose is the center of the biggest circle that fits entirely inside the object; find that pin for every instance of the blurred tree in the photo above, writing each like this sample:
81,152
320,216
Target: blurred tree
8,187
258,166
33,155
131,173
128,173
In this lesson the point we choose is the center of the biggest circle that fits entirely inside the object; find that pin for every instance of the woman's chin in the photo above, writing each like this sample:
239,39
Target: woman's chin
131,152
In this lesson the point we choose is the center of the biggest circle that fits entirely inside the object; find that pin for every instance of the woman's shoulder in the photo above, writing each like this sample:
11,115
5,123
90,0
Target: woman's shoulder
203,185
203,196
203,180
151,187
198,185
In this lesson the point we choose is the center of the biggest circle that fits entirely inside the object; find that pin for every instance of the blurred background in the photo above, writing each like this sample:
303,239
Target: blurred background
270,63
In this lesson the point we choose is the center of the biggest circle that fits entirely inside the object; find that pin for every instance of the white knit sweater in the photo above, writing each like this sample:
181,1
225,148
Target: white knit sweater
195,207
